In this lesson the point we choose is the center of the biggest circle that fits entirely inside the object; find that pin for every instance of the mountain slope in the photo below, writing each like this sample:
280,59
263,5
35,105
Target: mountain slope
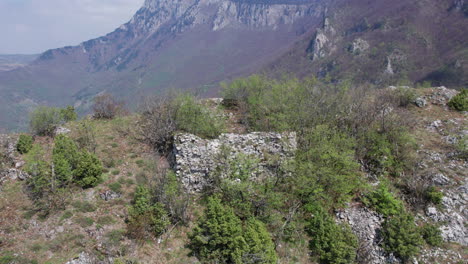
194,44
183,44
10,62
386,42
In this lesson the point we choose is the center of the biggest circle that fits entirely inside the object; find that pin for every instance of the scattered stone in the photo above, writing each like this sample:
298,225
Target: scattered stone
83,258
440,255
109,195
453,214
442,95
13,174
61,131
420,102
441,180
194,158
366,225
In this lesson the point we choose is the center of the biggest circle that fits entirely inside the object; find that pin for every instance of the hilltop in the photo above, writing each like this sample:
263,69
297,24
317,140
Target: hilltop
94,224
193,45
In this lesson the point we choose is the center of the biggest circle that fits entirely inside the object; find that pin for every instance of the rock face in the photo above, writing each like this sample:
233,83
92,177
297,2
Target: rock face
453,214
366,224
195,158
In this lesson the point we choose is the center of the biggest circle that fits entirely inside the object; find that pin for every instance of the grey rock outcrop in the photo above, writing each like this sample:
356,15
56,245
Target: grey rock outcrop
109,195
225,13
322,44
83,258
195,158
420,102
453,214
366,224
358,46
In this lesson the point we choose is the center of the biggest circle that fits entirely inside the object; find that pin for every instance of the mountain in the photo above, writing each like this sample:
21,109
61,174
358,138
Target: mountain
195,44
10,62
386,42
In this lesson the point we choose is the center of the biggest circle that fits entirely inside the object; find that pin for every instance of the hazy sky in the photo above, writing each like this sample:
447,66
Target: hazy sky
33,26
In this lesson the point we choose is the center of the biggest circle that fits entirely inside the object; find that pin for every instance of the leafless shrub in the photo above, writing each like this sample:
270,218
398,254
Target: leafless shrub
157,123
107,107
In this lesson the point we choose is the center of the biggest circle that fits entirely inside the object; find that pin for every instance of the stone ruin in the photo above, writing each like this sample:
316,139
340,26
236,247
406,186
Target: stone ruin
194,158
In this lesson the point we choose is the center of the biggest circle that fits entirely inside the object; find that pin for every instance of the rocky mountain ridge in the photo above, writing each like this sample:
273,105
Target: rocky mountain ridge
195,44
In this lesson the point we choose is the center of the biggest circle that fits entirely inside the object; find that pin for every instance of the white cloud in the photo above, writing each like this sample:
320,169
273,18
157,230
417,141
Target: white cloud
32,26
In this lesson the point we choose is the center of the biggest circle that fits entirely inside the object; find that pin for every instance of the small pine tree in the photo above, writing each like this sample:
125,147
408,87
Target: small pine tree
460,101
432,235
260,246
62,170
401,236
88,170
39,171
330,242
384,202
67,149
25,143
218,235
146,217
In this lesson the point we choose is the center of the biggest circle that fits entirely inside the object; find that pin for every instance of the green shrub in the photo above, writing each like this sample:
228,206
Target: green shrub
25,143
404,96
84,206
115,172
144,216
261,248
84,221
88,171
330,242
66,215
68,113
140,163
384,202
460,101
115,236
193,117
44,120
65,159
462,147
401,236
326,167
67,148
7,257
218,235
116,187
432,235
434,195
105,220
39,169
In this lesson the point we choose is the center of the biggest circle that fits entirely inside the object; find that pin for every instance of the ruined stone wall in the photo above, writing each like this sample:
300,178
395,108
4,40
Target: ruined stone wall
195,158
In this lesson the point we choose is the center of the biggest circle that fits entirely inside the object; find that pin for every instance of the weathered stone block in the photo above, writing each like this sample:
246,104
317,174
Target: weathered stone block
195,158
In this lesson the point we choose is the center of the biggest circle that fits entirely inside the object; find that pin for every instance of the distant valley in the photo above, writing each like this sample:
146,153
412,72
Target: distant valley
11,62
194,45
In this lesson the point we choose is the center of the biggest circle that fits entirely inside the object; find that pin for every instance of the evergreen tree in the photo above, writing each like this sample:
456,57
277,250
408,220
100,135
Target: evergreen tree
330,242
25,143
145,216
402,236
88,170
260,246
218,235
67,149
